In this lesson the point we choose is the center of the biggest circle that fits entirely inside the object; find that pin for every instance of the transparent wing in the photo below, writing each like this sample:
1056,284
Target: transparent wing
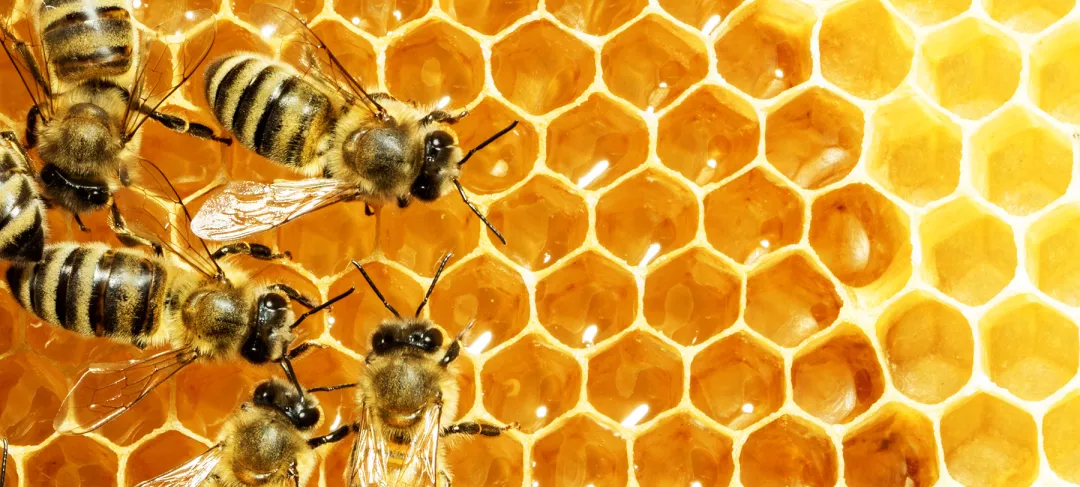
246,208
421,464
369,457
26,53
191,474
106,391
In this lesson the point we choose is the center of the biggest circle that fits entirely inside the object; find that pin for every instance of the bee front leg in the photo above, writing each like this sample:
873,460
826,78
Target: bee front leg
293,294
332,437
476,428
257,251
303,348
172,122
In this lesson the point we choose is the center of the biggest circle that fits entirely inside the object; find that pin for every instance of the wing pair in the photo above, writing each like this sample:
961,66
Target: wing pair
371,463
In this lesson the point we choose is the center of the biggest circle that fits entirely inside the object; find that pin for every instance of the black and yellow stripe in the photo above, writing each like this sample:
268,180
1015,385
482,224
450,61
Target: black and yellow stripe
85,40
22,213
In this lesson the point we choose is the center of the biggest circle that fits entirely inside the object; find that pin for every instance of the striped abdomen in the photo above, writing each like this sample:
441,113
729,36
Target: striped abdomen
87,39
22,213
93,289
268,107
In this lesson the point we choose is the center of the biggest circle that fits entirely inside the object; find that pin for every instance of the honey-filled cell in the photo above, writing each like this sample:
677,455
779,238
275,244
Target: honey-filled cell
72,460
635,379
765,48
531,214
646,216
580,451
709,136
814,139
652,62
595,17
692,297
737,381
433,61
596,142
481,461
532,383
752,216
788,450
504,162
586,300
418,237
159,455
894,447
702,455
31,390
353,322
539,67
838,380
789,300
704,14
379,17
485,294
489,16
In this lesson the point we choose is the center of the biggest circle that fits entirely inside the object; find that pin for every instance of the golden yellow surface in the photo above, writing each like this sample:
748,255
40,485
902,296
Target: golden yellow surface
763,242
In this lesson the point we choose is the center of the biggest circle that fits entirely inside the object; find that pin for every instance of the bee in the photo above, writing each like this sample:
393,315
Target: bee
188,299
315,118
98,81
408,398
266,443
22,212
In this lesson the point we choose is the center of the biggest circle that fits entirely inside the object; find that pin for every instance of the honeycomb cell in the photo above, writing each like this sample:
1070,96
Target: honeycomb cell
839,379
379,17
1054,75
681,450
495,462
464,370
159,455
596,17
765,50
927,346
815,138
737,381
432,62
596,142
31,391
207,394
70,351
990,442
530,382
488,17
969,68
709,136
753,215
530,216
504,162
329,367
635,379
968,253
1061,438
701,14
355,53
789,300
579,452
72,460
1028,16
1051,262
1023,162
893,448
865,50
355,322
540,67
418,237
692,297
485,292
652,62
788,451
1030,348
587,300
927,12
915,150
645,217
143,418
325,252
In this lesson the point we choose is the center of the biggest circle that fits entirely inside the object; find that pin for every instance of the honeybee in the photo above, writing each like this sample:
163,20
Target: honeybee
267,443
408,398
315,118
94,79
189,300
22,212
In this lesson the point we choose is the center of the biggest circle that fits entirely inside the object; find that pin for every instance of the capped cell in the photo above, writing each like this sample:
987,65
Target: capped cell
681,450
580,451
865,50
968,253
814,139
531,382
969,67
737,381
646,216
787,451
789,300
915,150
1030,348
586,300
635,379
929,12
433,61
1028,16
894,447
987,441
765,50
1061,437
840,379
530,216
752,216
540,67
1054,75
596,142
1051,263
652,62
693,297
595,17
709,136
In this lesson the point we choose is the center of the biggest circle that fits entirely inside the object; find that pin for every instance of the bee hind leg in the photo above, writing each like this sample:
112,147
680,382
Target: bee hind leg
476,428
257,251
302,349
123,233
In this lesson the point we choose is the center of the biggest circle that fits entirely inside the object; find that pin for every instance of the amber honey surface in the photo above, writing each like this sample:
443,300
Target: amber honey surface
760,243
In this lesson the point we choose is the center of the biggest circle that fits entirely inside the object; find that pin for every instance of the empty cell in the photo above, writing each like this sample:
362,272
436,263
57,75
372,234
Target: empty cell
1029,348
485,293
530,215
530,382
788,451
495,462
160,454
681,450
595,142
580,452
33,389
915,150
969,68
737,381
709,136
789,300
1052,264
693,297
635,379
701,14
324,244
586,300
325,367
434,61
753,215
419,236
504,162
596,17
865,50
487,16
765,50
1055,77
1028,16
814,139
839,379
206,394
928,12
893,448
354,52
355,321
1061,438
539,67
652,62
72,460
989,442
188,162
1021,163
379,17
968,253
645,217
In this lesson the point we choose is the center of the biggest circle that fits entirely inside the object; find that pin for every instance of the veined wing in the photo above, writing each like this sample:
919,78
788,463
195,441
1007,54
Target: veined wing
369,457
421,464
191,474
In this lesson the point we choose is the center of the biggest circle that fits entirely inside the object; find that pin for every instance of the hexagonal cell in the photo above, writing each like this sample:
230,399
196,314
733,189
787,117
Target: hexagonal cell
1021,162
31,393
489,461
709,136
968,253
635,379
587,300
326,252
915,151
1055,75
928,347
1051,263
433,61
927,12
815,138
705,15
72,460
596,142
737,381
596,17
645,217
539,67
789,300
969,68
788,451
419,236
752,216
1028,16
160,454
207,394
354,52
865,50
486,293
765,50
353,324
189,163
652,62
379,17
490,16
893,448
148,415
330,367
702,455
839,379
988,441
505,161
693,297
529,215
1030,348
580,451
531,382
1061,438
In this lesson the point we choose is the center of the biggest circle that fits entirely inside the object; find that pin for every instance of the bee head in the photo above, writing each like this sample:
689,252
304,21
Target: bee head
269,334
439,166
301,409
393,336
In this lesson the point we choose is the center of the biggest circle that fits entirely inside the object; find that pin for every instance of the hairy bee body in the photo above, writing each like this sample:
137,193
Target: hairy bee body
22,213
260,446
86,40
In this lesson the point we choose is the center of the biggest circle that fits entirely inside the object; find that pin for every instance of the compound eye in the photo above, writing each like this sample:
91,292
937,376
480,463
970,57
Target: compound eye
96,196
432,340
264,395
381,342
307,418
274,301
436,142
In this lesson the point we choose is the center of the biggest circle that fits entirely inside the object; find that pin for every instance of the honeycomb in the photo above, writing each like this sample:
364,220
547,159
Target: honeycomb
751,242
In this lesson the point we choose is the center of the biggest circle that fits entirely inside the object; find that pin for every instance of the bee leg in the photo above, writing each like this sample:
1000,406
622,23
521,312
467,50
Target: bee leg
258,251
80,223
172,122
3,465
380,96
476,428
294,474
14,139
125,235
303,348
31,126
334,436
446,478
440,116
28,57
293,294
368,210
